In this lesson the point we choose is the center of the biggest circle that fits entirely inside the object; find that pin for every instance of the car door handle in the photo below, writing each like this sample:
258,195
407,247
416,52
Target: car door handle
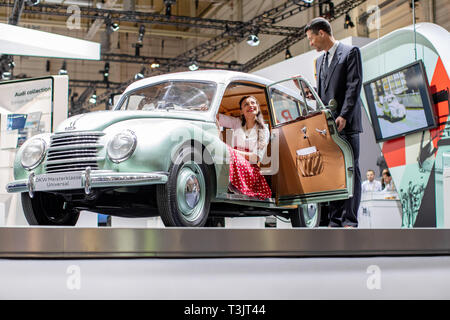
324,131
304,133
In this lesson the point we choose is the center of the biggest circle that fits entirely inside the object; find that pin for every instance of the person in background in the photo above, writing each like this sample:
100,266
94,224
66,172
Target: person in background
371,185
388,184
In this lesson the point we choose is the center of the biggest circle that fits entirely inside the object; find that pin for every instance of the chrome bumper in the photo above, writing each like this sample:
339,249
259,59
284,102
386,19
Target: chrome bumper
93,179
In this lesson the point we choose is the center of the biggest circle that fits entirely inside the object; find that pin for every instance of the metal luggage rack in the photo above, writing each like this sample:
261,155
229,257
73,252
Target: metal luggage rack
60,243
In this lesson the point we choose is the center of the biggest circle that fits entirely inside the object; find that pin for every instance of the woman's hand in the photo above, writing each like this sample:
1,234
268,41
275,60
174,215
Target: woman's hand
250,157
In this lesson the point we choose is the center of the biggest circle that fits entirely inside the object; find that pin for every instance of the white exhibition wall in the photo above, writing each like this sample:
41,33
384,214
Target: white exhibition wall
46,96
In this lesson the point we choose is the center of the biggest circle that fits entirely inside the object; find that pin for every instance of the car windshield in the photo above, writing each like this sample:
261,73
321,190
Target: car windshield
171,95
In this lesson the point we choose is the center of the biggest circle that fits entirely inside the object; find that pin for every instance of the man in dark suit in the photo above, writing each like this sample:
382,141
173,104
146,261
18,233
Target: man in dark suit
339,77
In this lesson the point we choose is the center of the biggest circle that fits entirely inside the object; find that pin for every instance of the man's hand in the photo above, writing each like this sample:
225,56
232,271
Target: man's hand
340,123
296,81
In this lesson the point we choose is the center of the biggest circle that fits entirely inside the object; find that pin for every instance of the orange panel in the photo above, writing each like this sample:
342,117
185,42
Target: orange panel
439,82
394,152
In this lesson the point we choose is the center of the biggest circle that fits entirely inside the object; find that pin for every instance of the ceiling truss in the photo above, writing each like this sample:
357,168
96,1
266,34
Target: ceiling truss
231,32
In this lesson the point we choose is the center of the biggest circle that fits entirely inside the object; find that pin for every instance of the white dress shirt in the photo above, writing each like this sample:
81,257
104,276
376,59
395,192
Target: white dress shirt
373,186
331,52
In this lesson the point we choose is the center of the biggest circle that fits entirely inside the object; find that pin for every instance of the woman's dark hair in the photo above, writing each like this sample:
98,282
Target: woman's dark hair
319,24
259,118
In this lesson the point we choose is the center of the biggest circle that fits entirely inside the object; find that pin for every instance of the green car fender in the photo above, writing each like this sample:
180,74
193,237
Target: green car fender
158,140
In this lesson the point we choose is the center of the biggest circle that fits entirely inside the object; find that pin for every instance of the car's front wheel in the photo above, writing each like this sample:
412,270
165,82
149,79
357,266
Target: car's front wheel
306,216
184,200
47,209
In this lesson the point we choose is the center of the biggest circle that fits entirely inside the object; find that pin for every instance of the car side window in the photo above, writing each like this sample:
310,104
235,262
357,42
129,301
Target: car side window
308,95
285,107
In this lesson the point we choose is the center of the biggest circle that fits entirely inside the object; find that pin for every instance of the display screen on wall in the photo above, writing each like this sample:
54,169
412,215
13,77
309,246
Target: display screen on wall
399,102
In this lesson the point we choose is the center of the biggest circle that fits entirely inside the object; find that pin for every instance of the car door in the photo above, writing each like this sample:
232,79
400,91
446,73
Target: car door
315,163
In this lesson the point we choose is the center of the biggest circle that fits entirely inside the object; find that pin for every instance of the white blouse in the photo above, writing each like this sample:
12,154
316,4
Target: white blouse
245,139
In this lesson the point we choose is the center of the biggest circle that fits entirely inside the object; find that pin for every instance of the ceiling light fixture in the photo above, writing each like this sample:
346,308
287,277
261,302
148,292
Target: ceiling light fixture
253,40
348,21
140,75
93,98
63,70
140,42
33,2
193,65
168,4
288,54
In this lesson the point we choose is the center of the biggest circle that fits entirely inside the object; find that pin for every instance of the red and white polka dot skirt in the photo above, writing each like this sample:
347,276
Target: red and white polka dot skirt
246,177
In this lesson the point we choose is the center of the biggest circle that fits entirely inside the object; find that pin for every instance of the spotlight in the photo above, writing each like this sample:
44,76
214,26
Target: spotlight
140,75
105,72
93,98
63,70
193,65
288,54
330,6
348,21
253,40
114,26
140,42
141,34
110,102
168,4
33,2
6,75
155,64
110,26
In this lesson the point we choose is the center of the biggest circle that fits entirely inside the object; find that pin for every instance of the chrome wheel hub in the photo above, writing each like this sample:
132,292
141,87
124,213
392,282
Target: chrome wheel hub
192,191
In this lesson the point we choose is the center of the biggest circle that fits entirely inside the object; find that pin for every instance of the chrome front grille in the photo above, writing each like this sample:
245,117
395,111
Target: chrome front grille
73,151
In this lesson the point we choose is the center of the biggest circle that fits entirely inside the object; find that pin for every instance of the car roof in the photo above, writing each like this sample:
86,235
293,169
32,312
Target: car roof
219,76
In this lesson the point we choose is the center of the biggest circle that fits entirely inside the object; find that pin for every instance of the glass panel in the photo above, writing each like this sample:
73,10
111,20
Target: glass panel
171,95
309,96
285,107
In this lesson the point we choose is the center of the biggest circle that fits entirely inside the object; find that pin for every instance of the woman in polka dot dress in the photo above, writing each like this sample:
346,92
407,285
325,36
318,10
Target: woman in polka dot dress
248,145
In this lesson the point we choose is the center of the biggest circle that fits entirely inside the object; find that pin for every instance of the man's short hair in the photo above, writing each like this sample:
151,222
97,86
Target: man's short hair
317,24
370,170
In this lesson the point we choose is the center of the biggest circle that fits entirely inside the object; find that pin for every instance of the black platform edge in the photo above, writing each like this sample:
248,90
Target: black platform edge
76,243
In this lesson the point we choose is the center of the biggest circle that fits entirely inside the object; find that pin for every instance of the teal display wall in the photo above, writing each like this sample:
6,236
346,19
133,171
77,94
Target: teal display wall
417,161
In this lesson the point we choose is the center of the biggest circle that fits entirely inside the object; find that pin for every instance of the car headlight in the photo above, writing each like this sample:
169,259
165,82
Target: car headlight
33,153
122,146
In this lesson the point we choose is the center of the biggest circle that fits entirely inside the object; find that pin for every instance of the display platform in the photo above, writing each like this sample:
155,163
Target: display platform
55,242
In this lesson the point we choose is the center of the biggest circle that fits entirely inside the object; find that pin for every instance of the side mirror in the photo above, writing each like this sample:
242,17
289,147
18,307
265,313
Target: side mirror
332,105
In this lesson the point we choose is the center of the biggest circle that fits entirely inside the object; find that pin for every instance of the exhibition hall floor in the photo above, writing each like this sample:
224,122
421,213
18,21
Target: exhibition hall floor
213,263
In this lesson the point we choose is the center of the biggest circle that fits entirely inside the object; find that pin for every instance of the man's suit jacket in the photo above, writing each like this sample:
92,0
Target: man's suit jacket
343,83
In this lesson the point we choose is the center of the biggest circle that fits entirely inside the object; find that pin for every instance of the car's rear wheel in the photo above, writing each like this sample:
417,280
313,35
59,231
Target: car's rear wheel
184,201
47,209
306,216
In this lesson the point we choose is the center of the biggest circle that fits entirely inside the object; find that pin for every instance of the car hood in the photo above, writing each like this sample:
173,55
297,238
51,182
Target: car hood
98,121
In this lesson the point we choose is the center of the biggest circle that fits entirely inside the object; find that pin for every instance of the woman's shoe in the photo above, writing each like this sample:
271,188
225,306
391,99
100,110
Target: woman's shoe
233,189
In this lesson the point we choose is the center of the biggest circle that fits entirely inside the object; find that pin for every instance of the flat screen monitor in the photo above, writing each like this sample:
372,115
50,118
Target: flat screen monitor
399,102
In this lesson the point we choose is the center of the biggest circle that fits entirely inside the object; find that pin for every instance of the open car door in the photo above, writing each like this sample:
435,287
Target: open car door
315,163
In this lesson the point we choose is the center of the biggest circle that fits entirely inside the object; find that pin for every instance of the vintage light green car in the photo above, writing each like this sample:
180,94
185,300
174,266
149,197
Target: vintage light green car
160,152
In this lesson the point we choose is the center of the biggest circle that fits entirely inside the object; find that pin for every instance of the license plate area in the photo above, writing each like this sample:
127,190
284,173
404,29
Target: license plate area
58,181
